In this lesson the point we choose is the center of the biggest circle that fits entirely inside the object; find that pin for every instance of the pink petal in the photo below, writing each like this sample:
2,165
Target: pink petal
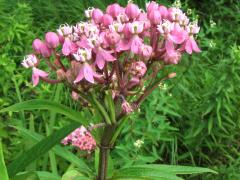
79,76
178,37
195,46
136,42
100,61
188,46
107,56
88,73
123,45
169,46
39,72
35,79
66,49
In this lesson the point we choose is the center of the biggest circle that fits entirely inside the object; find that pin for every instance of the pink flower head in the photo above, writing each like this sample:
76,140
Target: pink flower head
52,40
37,45
97,15
114,10
37,74
102,57
86,72
107,20
45,51
29,61
132,11
155,17
138,68
68,47
83,54
126,107
81,138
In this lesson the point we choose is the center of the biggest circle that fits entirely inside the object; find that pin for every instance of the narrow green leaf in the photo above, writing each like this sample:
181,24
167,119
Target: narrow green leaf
3,169
39,149
47,105
26,176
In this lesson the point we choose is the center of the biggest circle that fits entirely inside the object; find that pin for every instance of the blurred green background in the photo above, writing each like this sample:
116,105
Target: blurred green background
193,119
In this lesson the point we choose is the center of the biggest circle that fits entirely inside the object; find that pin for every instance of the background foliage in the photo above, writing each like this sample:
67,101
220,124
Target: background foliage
191,120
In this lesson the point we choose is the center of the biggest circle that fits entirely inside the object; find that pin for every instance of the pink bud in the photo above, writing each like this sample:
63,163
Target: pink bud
36,45
132,11
107,19
114,10
155,17
172,75
112,38
45,51
52,40
97,15
163,11
152,6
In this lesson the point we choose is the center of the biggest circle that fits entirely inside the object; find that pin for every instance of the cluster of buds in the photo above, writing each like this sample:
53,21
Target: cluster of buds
80,138
121,50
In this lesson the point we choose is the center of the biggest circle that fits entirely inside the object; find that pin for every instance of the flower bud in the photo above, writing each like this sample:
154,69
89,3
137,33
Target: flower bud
107,19
138,68
45,51
172,75
132,11
114,10
37,45
97,15
112,38
52,40
163,11
151,6
61,75
155,17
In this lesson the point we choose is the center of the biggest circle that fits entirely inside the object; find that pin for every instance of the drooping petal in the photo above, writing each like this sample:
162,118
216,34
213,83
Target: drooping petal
36,74
79,76
88,73
136,42
100,61
107,56
66,49
188,46
169,46
35,79
195,46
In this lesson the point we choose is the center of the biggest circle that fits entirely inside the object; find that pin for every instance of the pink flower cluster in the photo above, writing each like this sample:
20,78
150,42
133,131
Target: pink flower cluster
115,48
81,139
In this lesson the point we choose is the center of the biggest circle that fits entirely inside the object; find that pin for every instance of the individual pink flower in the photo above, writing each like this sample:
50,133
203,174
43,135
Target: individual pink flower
37,74
173,57
138,68
126,107
83,55
145,51
136,27
132,11
86,72
116,26
155,17
45,51
29,61
65,30
102,57
190,44
114,10
135,43
112,38
97,15
52,40
37,45
68,47
122,18
107,20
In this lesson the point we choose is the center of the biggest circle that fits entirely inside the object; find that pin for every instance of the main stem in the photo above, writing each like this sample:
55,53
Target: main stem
105,151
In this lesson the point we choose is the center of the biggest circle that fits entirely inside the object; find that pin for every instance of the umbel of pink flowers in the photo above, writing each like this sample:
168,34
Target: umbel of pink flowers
119,50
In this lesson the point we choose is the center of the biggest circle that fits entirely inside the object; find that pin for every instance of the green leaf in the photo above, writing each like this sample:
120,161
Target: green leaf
26,176
47,105
74,175
60,151
43,175
3,169
39,149
174,169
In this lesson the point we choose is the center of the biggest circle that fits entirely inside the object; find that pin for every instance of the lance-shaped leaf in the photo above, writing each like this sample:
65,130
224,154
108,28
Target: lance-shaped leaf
47,105
3,169
39,149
